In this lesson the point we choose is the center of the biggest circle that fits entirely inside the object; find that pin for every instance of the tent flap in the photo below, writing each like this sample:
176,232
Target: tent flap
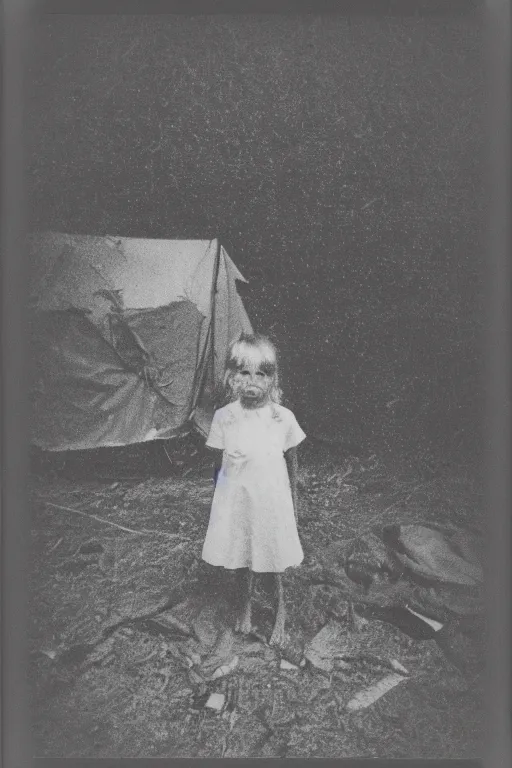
124,337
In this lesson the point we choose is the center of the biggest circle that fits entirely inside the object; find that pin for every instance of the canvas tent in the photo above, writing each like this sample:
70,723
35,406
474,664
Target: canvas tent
129,337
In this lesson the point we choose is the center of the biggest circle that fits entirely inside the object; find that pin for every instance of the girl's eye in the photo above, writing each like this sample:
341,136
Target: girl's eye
244,373
260,374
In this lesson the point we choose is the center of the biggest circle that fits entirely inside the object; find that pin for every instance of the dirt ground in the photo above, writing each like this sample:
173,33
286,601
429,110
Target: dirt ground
128,625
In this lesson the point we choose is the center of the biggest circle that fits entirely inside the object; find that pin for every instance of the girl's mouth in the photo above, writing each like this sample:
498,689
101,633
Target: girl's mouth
253,394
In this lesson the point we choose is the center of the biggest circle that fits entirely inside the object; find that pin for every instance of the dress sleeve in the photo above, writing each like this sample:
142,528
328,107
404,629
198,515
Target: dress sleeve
294,434
215,438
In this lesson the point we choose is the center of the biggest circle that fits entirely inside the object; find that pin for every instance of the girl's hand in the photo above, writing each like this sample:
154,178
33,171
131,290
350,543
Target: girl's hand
293,466
217,464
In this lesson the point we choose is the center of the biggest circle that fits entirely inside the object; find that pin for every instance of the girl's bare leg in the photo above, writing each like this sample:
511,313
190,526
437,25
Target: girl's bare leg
278,635
244,622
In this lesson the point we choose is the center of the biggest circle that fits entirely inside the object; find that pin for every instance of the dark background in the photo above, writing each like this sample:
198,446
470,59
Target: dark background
339,159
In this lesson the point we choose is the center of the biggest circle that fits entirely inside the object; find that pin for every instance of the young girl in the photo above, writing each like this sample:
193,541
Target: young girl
253,521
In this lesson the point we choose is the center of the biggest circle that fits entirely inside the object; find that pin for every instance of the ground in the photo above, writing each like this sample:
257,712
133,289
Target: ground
127,628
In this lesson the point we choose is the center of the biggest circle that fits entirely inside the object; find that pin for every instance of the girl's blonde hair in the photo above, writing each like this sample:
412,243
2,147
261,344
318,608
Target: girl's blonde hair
252,350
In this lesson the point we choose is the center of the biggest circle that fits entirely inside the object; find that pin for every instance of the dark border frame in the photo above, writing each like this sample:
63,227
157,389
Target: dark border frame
18,16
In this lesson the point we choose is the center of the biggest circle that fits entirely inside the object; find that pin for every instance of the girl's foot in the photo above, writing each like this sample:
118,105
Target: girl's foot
244,622
244,625
278,637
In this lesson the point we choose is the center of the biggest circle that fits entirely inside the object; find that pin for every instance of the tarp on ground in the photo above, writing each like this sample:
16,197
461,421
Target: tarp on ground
129,337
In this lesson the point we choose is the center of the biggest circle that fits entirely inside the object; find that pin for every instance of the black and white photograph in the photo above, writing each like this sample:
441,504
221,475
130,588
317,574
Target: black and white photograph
255,307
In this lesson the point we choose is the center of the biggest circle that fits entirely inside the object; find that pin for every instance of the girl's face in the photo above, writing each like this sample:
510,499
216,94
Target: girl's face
251,384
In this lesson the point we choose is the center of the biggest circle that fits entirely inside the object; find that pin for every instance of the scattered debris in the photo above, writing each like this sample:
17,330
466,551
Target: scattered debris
291,650
398,667
373,693
51,654
216,702
330,642
285,665
436,625
188,655
226,669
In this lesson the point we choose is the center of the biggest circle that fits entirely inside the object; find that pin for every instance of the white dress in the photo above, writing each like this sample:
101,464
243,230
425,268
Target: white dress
252,522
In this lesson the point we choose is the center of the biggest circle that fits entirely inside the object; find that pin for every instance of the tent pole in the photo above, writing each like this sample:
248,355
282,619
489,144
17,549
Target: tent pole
210,334
213,300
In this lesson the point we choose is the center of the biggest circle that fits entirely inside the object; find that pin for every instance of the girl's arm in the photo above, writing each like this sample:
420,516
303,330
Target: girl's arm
217,463
293,466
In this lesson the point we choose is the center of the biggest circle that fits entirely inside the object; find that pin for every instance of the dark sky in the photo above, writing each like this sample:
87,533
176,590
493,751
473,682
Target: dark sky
339,159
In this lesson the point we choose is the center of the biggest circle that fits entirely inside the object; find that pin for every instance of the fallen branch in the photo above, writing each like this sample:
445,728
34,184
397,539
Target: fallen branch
142,531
